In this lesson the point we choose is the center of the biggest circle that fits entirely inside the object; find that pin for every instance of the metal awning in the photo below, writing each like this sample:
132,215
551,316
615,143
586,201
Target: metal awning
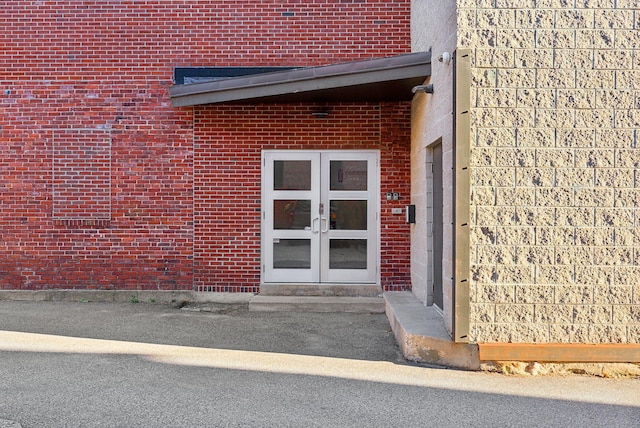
381,79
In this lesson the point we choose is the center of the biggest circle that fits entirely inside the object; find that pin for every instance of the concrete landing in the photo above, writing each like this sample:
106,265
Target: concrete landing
422,336
317,304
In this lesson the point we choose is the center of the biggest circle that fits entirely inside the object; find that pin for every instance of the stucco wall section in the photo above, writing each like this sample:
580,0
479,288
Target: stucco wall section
555,186
432,27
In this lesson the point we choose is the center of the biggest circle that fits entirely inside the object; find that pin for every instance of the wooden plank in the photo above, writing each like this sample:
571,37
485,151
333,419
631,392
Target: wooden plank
560,352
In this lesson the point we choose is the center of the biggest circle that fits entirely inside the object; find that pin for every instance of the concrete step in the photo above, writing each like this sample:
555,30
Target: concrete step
422,336
317,304
333,290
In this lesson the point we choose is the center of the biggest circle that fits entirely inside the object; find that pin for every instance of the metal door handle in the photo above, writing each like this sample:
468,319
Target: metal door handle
325,228
314,223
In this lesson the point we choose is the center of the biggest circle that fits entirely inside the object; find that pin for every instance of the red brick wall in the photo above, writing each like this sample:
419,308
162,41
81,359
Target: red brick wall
91,78
395,176
228,144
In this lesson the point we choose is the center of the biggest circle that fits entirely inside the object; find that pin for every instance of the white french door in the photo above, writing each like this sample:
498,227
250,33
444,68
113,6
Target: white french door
320,221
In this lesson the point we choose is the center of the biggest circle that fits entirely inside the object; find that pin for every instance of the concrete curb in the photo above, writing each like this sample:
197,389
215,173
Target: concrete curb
133,296
421,335
254,302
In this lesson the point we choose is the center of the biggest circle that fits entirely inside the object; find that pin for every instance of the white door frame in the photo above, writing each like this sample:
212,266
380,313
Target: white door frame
319,233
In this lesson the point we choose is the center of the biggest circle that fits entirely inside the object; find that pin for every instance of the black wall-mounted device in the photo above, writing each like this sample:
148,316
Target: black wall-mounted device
411,213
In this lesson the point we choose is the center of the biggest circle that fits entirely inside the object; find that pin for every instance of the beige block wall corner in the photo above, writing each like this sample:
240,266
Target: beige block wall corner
433,27
555,242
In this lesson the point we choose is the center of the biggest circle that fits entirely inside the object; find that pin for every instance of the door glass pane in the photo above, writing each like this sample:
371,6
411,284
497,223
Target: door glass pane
292,175
348,254
292,254
348,175
348,215
292,214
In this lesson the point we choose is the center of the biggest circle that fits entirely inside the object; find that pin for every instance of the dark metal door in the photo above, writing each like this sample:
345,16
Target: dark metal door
437,225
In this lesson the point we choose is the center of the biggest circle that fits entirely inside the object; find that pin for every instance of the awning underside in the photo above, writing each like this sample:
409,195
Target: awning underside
382,79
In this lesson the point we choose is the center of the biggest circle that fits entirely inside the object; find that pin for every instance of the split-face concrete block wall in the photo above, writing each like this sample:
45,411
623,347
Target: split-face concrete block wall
555,237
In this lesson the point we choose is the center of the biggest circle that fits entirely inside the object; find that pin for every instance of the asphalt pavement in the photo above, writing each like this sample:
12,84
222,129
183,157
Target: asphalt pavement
66,364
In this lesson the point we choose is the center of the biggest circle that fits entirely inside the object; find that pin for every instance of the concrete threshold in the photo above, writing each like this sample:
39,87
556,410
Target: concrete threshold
422,336
317,304
324,290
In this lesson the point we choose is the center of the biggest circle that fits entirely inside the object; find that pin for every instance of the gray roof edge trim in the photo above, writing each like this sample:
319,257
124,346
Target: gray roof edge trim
411,63
239,82
300,86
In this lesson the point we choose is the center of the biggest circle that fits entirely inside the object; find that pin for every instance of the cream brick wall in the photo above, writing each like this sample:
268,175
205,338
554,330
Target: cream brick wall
555,242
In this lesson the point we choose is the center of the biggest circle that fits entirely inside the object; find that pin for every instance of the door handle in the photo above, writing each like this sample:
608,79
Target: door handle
325,223
314,224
